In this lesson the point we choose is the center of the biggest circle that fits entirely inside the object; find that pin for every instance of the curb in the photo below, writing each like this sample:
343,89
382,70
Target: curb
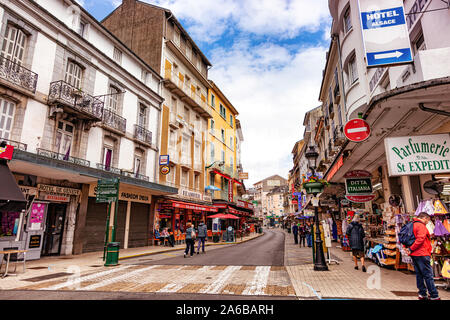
178,249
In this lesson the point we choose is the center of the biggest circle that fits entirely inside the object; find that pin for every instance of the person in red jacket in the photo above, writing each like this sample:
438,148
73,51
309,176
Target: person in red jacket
420,252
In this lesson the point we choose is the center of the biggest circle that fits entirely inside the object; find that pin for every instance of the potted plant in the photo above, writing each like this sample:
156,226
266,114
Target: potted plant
77,93
314,184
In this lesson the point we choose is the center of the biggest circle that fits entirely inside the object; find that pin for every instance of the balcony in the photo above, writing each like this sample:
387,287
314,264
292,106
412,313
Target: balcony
15,144
173,154
134,175
198,166
63,157
143,135
101,166
338,136
16,74
114,121
176,84
186,161
174,121
75,101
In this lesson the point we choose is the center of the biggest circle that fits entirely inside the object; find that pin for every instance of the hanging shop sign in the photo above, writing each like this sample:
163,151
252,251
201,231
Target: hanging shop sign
385,32
164,170
164,160
358,186
335,168
417,155
125,194
357,130
230,191
6,152
243,175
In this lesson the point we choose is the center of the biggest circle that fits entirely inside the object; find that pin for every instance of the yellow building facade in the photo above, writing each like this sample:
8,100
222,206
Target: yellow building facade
222,146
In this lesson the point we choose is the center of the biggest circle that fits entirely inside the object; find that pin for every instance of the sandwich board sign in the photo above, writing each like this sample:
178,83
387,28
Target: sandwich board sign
385,32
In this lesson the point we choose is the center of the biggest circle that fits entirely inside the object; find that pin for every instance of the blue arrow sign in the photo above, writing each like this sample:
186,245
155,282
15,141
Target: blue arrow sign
389,57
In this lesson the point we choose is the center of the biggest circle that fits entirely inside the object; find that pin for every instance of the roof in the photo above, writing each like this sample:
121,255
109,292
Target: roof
270,178
223,97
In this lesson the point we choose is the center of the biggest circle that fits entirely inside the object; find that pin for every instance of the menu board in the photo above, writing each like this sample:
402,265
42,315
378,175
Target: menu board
37,215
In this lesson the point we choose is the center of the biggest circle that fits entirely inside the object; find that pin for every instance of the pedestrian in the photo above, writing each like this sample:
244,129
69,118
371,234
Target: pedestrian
302,234
190,240
420,253
308,232
356,235
295,233
202,233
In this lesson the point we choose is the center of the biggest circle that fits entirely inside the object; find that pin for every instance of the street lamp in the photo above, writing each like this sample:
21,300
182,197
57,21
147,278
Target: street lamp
319,263
221,163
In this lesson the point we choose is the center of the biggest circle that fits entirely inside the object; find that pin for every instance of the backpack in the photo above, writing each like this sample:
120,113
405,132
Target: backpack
406,235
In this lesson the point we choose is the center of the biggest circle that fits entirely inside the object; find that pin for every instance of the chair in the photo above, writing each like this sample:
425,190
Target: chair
14,257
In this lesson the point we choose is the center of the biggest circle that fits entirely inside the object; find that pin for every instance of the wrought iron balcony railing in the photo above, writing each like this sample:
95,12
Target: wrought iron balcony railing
15,144
142,134
18,75
108,168
114,121
62,92
134,175
338,136
63,157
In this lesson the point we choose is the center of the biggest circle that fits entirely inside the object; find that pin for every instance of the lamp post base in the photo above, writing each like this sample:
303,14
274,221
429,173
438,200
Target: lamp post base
320,268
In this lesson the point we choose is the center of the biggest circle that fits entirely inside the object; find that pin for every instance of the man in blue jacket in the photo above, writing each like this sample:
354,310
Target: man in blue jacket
202,234
295,232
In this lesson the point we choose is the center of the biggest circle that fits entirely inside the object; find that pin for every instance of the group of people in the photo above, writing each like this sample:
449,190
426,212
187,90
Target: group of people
419,251
302,231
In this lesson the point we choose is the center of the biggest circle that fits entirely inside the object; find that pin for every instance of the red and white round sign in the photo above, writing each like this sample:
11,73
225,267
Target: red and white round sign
357,130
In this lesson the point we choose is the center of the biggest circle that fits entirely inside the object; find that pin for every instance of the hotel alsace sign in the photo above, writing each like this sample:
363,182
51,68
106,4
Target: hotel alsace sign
416,155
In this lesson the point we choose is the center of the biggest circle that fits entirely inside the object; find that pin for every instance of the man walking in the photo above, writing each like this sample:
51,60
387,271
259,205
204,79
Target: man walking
420,253
202,233
295,232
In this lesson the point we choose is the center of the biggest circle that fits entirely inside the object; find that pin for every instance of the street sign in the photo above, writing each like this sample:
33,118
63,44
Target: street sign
164,160
243,175
357,130
385,32
107,190
358,186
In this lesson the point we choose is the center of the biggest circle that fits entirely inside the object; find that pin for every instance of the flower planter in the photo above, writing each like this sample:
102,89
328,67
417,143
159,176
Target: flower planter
313,187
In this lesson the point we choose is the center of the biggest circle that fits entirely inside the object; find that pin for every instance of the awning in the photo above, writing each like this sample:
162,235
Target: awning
11,197
193,206
223,216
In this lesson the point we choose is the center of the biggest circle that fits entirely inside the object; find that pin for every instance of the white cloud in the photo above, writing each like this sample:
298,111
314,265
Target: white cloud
209,19
272,89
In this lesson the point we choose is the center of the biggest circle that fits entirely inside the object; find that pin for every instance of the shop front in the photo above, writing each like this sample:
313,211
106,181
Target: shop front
132,219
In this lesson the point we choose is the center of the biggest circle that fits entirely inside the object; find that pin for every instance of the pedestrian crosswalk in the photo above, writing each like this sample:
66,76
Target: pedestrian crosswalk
229,280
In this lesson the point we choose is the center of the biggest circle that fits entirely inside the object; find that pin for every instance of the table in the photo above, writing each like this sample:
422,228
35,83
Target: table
9,252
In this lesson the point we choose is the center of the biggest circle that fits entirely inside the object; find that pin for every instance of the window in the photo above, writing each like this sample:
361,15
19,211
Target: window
223,135
184,178
231,162
112,101
197,182
137,165
172,139
347,21
14,43
223,156
340,115
144,75
213,101
419,43
223,111
186,148
212,179
142,115
213,153
176,36
117,55
352,70
231,142
107,157
171,175
197,153
231,120
74,74
212,126
186,114
6,117
82,28
64,136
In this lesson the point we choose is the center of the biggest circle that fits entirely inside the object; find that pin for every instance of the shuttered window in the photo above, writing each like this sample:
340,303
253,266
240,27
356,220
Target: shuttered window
74,74
14,43
6,117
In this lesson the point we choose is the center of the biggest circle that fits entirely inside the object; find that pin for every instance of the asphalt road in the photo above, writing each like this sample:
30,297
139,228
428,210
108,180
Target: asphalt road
267,250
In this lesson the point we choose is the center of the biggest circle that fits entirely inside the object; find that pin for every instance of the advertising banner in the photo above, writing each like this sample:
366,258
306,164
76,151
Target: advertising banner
385,32
416,155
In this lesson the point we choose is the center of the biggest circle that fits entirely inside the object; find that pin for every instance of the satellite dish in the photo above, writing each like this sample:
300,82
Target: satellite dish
433,187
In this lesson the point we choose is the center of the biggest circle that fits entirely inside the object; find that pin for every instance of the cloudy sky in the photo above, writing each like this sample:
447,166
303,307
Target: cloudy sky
267,56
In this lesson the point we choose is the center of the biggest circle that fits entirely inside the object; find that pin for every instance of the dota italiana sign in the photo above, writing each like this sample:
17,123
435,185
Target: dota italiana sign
416,155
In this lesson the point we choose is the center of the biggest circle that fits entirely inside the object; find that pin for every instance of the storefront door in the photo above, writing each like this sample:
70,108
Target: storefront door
54,229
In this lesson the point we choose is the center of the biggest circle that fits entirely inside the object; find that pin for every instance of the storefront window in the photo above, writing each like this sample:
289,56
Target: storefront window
9,223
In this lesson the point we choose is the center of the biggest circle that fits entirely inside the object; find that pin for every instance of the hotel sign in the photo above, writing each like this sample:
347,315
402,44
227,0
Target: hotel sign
417,155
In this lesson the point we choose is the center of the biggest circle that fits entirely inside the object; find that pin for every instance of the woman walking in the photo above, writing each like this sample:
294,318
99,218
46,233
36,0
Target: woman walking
190,240
356,235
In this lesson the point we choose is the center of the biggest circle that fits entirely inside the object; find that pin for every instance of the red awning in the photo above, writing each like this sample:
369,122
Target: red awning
223,216
193,206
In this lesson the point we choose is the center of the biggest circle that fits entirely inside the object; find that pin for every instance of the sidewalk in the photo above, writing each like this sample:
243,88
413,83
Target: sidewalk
343,282
88,263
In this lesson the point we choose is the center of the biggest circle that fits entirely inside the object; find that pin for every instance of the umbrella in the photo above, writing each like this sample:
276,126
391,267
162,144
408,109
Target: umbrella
212,188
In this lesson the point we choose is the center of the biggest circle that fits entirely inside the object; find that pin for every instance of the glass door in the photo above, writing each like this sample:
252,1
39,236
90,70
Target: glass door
53,235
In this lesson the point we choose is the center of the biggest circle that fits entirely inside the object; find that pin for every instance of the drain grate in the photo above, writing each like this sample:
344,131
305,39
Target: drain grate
405,293
48,277
37,268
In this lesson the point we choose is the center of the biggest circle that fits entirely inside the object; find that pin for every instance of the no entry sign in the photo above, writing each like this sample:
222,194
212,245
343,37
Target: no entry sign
357,130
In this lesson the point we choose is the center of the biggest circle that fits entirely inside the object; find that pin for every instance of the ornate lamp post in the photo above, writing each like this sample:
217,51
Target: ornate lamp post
316,188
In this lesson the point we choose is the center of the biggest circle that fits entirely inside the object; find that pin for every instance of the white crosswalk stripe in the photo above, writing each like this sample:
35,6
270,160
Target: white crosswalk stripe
259,281
221,280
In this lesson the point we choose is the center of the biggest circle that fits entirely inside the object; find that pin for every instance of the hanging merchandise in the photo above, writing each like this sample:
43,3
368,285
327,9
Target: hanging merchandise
430,227
447,224
446,269
420,208
428,207
440,230
439,207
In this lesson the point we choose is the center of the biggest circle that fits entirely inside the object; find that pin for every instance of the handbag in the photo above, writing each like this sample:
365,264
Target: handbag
446,269
193,234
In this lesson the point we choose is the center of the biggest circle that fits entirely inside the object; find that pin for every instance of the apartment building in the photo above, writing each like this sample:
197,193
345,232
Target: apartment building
262,189
409,101
76,109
